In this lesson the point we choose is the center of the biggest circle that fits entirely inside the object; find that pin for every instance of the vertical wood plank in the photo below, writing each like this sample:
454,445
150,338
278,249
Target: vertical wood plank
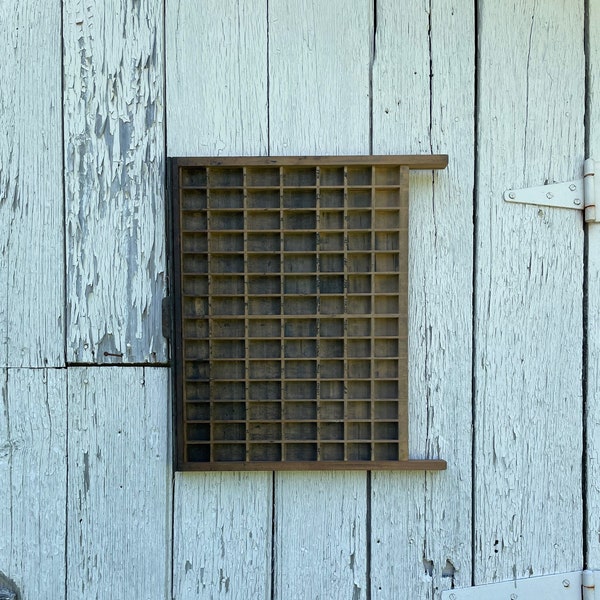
217,105
33,472
593,302
222,529
319,67
319,71
217,78
528,363
31,189
119,477
114,176
423,101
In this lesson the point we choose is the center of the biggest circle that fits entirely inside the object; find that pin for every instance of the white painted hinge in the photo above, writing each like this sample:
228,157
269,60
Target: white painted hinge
575,585
581,194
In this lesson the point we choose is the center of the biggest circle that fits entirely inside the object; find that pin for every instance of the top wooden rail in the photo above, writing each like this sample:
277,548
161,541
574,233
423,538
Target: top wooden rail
413,161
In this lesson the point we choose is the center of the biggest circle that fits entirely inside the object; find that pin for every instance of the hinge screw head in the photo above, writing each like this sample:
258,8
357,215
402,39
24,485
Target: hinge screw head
577,202
512,196
549,195
572,187
566,583
452,596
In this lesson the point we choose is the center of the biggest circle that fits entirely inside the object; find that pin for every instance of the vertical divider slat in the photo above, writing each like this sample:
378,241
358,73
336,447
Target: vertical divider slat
246,319
403,373
209,309
345,342
282,317
318,307
372,317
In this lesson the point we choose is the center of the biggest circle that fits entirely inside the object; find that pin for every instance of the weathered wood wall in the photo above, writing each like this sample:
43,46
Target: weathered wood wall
89,505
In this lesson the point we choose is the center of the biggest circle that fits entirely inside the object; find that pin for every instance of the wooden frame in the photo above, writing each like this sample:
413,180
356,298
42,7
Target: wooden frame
291,312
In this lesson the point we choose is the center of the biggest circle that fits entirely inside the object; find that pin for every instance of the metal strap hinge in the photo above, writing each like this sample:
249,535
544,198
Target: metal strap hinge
575,585
581,194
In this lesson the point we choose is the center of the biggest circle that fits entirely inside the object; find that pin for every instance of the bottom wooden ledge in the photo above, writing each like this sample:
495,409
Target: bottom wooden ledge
390,465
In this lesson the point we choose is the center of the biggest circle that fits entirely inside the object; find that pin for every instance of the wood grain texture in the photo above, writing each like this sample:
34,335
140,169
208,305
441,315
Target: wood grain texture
114,176
319,62
528,361
33,486
217,78
319,70
423,101
31,190
224,44
222,536
119,504
320,536
593,303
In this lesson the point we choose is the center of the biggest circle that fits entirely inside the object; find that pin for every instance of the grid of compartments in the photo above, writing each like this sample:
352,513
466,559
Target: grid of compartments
293,287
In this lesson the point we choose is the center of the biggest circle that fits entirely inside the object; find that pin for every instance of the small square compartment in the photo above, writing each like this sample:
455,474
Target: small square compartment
332,390
331,198
332,305
299,199
333,452
263,390
303,220
331,220
228,411
299,305
193,285
358,451
219,199
331,263
264,328
331,369
331,284
193,199
262,176
359,175
263,220
331,242
300,452
300,328
264,452
331,431
225,177
332,327
299,390
332,410
264,348
359,410
300,284
299,411
384,175
301,348
300,242
263,200
300,263
264,242
192,176
264,369
300,431
359,219
259,285
331,348
226,242
331,176
299,176
197,411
